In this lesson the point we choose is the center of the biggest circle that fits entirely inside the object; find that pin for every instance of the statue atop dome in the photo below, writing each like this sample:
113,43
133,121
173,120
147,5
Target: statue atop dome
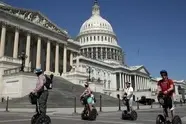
95,8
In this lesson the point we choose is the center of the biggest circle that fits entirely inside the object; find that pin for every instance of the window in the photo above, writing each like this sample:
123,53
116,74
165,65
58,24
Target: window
109,84
94,38
101,38
104,85
90,38
98,38
105,38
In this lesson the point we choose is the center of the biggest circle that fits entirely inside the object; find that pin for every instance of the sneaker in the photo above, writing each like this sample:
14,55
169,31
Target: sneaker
172,109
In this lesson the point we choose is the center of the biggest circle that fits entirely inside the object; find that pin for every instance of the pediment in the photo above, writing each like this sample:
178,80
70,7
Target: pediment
143,70
34,17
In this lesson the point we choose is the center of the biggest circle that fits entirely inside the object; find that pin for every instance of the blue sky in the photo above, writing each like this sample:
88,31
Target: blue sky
157,28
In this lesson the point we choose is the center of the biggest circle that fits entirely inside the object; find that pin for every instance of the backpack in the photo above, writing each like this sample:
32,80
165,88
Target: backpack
48,83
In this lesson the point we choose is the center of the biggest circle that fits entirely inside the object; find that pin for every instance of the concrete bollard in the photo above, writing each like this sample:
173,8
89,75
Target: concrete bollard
7,104
74,105
100,103
137,103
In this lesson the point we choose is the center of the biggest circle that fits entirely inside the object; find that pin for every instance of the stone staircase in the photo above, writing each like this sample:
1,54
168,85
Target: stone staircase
63,95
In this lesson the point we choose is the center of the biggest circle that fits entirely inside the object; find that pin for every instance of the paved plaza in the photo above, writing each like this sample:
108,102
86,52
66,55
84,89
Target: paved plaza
145,117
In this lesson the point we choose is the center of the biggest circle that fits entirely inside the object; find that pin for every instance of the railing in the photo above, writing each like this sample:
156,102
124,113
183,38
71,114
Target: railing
17,70
10,59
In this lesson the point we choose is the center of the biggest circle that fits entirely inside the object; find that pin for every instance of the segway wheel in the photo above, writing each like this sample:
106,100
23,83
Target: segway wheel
84,116
93,114
43,120
34,118
176,120
160,119
133,115
124,115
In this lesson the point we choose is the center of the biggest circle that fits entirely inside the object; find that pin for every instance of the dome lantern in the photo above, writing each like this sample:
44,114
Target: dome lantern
95,8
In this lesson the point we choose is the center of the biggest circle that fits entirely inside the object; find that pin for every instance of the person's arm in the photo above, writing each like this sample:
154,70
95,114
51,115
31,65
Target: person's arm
89,91
158,88
171,86
82,93
40,85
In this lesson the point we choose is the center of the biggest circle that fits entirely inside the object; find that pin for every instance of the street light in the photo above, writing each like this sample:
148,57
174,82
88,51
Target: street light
22,56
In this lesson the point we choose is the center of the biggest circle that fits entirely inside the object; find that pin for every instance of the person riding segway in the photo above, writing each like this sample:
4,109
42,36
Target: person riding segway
88,100
39,98
127,101
165,92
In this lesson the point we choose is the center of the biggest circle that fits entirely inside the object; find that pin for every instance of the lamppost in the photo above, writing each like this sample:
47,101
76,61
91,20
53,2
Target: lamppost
22,56
89,70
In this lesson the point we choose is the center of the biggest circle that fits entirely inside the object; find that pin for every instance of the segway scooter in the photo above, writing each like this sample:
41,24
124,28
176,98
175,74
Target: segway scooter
85,113
128,115
38,118
161,118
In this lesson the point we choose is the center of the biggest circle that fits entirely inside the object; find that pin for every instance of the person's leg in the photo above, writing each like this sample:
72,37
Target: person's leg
128,106
42,102
170,102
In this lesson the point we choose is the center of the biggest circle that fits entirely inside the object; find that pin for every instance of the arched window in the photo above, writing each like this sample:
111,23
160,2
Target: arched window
98,38
94,38
104,85
101,38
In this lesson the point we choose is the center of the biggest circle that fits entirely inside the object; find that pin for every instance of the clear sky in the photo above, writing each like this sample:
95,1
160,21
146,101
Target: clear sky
155,28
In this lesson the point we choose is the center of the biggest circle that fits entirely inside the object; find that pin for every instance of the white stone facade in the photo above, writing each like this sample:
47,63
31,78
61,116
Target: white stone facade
94,51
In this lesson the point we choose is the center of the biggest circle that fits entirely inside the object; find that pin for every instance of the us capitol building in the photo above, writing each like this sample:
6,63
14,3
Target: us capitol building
94,54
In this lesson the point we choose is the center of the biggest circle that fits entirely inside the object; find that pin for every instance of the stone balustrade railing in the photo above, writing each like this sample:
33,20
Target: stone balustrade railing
10,59
17,70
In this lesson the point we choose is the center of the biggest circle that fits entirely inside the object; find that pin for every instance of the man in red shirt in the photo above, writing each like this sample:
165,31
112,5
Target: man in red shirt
166,86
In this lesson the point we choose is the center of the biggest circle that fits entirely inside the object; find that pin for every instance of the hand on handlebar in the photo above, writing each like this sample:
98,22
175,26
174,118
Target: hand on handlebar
165,92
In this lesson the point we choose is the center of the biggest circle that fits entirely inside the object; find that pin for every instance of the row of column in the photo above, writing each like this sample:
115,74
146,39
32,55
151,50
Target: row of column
141,83
38,53
102,53
123,79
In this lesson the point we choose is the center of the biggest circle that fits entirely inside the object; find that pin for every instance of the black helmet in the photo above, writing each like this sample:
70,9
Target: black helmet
163,72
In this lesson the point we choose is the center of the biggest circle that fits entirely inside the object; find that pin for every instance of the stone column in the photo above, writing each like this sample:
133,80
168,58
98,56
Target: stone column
120,80
135,82
3,38
27,60
106,53
123,80
57,59
138,81
16,41
96,52
110,53
48,57
65,59
38,55
71,58
92,51
101,52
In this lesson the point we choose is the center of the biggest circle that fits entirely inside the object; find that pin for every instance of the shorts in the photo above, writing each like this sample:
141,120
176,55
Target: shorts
168,103
89,100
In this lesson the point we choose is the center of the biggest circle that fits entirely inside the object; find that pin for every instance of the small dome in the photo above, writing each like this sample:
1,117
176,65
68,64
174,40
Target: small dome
96,22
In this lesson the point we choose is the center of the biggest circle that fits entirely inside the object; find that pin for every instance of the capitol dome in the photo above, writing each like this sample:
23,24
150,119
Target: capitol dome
96,22
98,40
